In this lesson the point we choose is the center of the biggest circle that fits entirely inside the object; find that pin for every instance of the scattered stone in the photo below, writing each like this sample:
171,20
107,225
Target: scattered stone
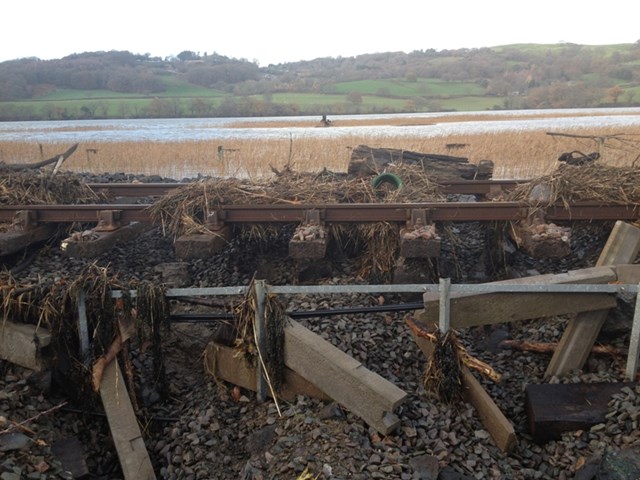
425,467
13,441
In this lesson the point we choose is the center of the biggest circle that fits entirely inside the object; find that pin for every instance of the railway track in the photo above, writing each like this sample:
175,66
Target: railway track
535,227
336,213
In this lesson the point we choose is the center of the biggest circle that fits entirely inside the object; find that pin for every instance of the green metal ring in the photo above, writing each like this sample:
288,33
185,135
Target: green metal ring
387,178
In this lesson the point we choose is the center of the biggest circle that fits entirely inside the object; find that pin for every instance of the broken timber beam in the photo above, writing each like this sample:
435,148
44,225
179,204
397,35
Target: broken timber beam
344,379
469,310
21,344
367,160
553,409
223,363
580,334
492,418
132,453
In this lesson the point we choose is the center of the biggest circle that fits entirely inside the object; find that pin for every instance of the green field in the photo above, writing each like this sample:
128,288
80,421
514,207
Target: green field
180,98
422,87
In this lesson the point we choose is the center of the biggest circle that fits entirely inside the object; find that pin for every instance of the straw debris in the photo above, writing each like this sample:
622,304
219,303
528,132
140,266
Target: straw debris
39,188
55,306
245,341
443,376
185,210
593,182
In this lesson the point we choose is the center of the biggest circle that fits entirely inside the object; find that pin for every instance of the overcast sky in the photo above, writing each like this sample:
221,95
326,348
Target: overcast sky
280,31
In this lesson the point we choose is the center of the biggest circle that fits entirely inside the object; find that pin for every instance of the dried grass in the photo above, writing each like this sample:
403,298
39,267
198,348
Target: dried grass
593,182
40,188
186,209
443,375
55,306
245,342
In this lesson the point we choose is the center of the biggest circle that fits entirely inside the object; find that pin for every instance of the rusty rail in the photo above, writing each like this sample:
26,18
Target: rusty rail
336,213
458,187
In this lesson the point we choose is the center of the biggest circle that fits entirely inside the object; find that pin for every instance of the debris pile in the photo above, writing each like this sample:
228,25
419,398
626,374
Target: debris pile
593,182
40,188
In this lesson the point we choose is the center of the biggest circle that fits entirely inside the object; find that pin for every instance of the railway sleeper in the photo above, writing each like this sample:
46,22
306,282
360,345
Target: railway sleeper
202,245
91,243
419,238
24,231
310,239
541,239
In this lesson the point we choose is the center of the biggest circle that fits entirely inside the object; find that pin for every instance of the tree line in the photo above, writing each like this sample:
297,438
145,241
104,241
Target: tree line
525,76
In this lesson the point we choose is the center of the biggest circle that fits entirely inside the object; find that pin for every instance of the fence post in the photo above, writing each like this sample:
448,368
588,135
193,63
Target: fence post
260,329
444,320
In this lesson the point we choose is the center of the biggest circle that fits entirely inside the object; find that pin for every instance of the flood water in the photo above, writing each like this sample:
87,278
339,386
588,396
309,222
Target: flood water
190,129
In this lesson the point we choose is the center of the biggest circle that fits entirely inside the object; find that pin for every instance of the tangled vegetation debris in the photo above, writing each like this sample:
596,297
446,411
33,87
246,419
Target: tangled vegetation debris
30,187
55,306
593,182
246,338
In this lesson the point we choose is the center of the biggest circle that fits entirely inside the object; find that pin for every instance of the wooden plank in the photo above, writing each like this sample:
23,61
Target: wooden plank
622,245
133,455
628,274
21,344
581,332
347,381
491,416
223,364
489,308
553,409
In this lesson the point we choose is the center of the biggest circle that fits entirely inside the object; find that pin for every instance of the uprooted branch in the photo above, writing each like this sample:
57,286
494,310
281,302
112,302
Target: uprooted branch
539,347
103,361
466,358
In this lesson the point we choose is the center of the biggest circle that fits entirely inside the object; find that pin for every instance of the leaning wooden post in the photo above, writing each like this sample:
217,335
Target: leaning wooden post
444,319
581,332
634,343
261,339
125,431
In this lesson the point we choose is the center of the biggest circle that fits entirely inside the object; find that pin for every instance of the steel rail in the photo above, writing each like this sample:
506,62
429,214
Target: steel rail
341,213
459,187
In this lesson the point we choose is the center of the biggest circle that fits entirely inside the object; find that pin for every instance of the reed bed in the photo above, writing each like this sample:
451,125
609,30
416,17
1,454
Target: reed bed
524,154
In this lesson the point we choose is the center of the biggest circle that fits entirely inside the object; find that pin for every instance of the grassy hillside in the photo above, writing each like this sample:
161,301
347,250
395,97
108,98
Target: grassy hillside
506,77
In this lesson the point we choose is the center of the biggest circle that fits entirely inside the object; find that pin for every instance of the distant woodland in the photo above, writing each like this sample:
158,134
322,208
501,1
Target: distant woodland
120,84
